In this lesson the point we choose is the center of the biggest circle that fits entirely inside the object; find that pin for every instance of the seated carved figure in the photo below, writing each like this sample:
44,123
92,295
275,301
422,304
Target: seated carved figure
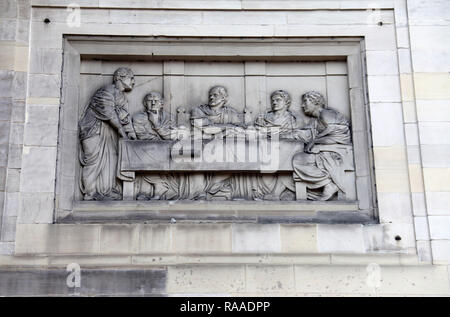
215,118
318,167
217,115
262,186
155,124
279,117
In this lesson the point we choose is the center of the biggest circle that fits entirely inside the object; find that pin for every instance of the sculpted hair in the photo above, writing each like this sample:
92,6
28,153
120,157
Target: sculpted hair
223,91
152,93
122,72
316,97
284,94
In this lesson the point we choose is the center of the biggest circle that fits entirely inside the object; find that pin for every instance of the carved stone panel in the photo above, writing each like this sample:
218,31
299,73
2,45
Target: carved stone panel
210,137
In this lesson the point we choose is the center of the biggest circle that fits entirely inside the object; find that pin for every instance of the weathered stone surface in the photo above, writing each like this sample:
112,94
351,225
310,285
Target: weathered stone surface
253,238
94,282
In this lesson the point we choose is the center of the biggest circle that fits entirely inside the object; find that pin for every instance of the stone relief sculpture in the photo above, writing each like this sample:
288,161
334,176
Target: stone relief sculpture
104,120
220,155
318,168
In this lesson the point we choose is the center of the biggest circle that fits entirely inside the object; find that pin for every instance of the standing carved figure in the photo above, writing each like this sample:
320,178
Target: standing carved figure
104,120
319,167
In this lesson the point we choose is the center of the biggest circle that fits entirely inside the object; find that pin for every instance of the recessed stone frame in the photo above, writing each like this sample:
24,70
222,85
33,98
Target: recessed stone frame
349,49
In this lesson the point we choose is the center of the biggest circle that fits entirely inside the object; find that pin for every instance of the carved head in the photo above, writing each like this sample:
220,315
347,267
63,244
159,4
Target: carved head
280,99
153,101
312,103
218,96
123,78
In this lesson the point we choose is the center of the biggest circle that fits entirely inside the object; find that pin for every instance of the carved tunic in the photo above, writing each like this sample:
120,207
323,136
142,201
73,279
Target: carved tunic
204,115
107,111
286,122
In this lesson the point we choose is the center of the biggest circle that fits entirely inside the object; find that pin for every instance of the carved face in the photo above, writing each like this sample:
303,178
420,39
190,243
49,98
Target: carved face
128,82
309,107
153,102
278,102
216,97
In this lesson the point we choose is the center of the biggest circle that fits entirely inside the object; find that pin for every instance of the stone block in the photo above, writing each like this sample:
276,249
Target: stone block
441,251
340,238
270,279
243,18
424,251
372,280
13,180
432,85
390,157
6,248
382,63
23,31
6,105
389,237
93,282
2,181
21,59
387,124
7,56
41,134
295,69
432,132
14,156
436,179
202,238
16,133
421,228
11,204
36,208
8,9
384,89
413,154
439,227
44,86
423,12
416,178
154,239
433,110
20,85
119,239
18,111
8,229
392,180
438,203
46,61
418,204
394,207
6,83
256,238
5,127
57,239
298,238
7,30
404,60
209,279
336,68
4,154
39,165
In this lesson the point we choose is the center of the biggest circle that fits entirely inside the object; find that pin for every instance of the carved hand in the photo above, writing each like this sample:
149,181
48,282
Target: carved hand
309,147
132,136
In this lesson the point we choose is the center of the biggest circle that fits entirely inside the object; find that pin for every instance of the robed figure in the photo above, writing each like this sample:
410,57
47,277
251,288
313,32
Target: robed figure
104,121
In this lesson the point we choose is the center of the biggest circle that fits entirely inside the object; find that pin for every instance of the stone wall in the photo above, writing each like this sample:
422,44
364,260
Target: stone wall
14,38
406,71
